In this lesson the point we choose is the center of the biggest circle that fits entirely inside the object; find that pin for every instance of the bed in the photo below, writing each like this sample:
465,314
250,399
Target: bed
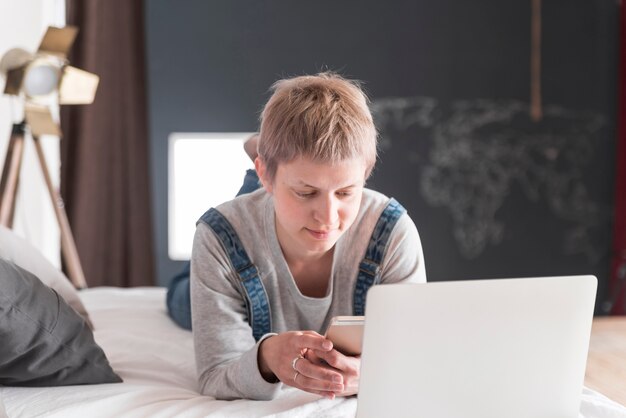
155,359
135,340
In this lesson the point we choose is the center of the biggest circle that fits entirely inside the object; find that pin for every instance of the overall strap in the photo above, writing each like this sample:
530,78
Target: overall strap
369,268
257,304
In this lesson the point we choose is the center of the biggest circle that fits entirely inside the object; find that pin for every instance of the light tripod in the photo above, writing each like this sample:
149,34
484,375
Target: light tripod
8,191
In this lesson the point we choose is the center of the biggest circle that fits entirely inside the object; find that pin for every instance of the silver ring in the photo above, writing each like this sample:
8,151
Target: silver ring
295,360
295,376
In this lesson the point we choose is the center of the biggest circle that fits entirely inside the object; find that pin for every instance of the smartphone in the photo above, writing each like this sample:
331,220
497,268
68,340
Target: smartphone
346,333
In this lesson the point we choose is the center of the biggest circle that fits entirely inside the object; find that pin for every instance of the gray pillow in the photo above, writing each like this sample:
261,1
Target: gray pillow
18,250
43,341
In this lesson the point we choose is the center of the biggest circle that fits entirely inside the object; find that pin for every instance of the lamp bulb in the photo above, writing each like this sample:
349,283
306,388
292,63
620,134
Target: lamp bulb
41,79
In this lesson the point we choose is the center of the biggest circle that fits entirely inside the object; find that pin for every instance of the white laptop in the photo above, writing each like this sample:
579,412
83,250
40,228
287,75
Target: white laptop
503,348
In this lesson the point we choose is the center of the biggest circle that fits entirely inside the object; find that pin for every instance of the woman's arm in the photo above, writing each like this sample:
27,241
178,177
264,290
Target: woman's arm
226,352
230,363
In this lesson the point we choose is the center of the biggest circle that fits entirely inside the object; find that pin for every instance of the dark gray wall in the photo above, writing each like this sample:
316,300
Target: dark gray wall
493,194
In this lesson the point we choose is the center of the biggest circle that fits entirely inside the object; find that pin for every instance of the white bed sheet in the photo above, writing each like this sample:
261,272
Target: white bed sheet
3,413
155,359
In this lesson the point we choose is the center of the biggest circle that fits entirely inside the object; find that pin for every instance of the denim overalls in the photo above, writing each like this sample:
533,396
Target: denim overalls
257,304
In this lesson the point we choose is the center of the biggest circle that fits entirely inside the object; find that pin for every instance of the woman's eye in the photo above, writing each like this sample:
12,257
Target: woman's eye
305,194
344,194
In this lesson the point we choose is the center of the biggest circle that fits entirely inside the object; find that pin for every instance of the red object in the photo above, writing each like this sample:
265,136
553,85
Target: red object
617,285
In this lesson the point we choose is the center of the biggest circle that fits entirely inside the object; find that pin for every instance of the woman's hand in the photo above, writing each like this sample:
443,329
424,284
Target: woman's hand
348,366
284,356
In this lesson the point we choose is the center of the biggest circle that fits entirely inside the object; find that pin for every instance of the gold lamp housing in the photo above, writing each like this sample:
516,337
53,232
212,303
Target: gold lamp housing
46,75
41,80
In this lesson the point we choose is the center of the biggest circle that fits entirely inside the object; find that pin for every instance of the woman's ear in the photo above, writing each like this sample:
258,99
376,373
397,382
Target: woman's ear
261,171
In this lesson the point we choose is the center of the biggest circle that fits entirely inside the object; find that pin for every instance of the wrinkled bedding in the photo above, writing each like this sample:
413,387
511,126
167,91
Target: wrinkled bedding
155,359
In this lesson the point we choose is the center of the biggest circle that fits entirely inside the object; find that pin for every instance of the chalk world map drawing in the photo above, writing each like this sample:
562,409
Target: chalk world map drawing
476,150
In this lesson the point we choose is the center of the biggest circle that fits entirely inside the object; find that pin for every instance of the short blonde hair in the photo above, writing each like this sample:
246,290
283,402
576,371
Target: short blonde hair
324,117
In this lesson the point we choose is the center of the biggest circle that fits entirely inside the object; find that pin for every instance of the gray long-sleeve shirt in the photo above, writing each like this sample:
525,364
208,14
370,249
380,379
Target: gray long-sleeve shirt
226,352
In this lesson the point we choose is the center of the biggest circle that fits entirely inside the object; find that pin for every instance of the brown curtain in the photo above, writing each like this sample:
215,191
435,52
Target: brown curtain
104,150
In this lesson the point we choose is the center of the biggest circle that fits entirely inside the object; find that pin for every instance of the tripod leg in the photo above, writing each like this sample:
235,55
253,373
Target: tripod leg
68,246
11,175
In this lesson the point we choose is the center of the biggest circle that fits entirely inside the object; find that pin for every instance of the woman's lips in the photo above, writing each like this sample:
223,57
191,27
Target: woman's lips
319,234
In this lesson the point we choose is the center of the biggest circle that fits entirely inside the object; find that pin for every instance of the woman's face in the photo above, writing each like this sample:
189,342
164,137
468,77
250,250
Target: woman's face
315,203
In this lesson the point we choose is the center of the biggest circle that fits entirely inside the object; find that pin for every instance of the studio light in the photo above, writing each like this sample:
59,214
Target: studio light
43,80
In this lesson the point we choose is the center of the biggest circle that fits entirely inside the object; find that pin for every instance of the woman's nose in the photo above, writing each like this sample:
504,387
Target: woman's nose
327,211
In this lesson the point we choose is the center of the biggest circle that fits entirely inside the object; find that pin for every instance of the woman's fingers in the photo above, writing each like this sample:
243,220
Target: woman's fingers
310,384
314,378
347,366
314,366
319,371
313,341
287,357
313,358
337,360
